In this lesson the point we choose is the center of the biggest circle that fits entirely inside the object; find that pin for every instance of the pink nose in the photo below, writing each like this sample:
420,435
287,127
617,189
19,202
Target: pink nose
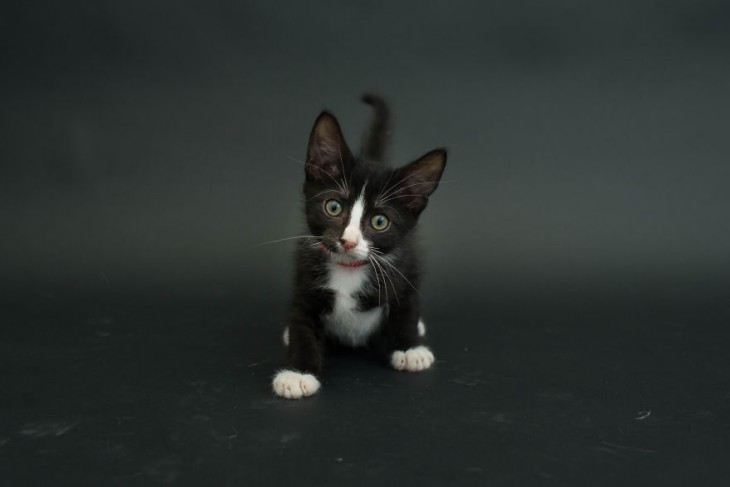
348,244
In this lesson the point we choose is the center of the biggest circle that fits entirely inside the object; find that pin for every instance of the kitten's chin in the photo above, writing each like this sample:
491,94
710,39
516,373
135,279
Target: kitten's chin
343,259
347,260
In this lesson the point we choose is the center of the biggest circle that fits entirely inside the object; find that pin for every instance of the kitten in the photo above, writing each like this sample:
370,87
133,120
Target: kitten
357,275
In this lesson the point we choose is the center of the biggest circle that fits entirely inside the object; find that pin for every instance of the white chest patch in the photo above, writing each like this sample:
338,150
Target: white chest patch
345,322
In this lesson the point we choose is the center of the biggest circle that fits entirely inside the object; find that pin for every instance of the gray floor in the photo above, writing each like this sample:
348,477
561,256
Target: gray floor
135,393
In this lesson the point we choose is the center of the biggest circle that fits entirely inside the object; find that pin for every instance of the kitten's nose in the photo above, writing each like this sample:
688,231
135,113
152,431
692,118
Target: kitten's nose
348,244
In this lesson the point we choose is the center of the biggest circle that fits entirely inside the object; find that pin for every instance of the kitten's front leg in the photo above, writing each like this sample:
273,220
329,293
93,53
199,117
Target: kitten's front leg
403,332
299,379
415,359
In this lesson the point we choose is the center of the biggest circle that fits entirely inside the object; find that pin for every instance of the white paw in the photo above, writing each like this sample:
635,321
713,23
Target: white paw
413,360
421,328
293,385
285,336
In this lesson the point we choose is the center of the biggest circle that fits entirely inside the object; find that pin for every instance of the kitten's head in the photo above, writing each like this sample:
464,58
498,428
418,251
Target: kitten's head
357,208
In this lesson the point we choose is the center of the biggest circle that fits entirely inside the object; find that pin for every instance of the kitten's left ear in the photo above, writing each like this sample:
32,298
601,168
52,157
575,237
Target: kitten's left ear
419,179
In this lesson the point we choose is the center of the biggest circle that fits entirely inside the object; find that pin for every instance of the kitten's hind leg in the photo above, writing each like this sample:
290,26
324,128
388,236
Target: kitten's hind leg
285,337
421,328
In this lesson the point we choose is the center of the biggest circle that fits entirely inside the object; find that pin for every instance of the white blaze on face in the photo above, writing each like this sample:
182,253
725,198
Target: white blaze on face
353,230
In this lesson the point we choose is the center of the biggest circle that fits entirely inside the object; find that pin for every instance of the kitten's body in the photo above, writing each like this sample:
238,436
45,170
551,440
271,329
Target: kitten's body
356,285
349,321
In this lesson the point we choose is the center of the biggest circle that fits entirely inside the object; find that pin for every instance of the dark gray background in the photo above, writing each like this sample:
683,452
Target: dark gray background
147,146
578,252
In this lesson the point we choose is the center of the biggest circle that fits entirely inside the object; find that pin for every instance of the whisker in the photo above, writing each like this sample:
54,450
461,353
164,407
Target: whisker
295,160
410,195
397,189
401,188
342,165
385,284
342,188
385,186
392,284
393,191
385,274
347,182
384,260
396,185
323,192
284,239
375,273
377,279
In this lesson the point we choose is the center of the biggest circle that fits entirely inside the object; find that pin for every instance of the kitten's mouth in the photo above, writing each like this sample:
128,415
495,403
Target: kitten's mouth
343,260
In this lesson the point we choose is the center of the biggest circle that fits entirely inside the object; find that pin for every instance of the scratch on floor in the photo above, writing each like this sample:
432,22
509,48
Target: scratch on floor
629,448
608,450
643,415
287,438
39,430
256,364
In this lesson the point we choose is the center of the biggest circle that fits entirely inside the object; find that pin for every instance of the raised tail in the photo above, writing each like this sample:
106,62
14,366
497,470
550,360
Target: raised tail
377,139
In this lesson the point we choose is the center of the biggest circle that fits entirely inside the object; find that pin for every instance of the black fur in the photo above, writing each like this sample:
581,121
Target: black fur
332,172
377,139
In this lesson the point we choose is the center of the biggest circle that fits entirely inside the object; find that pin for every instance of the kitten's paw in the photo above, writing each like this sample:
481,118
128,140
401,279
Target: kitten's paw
285,337
294,385
413,360
421,328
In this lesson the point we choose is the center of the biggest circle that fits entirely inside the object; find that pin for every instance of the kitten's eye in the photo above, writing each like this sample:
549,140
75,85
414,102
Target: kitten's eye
333,207
379,222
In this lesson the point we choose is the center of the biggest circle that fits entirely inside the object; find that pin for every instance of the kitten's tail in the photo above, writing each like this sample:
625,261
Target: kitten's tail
377,138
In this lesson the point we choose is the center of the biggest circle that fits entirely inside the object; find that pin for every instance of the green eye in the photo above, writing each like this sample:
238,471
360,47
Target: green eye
333,207
379,222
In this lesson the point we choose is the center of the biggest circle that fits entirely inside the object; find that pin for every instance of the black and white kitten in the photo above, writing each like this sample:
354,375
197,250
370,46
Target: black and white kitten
357,275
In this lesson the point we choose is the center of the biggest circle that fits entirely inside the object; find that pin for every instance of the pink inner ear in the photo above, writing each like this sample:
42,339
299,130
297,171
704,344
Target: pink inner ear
322,165
327,152
422,176
419,179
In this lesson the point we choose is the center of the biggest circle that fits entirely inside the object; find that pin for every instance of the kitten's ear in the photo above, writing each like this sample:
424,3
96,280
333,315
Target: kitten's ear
419,179
327,154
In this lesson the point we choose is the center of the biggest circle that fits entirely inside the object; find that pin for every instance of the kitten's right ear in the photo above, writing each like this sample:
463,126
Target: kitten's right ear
327,154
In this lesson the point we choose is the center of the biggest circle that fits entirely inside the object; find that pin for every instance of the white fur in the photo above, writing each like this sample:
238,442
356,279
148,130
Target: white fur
421,330
353,230
351,326
345,322
294,385
413,360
